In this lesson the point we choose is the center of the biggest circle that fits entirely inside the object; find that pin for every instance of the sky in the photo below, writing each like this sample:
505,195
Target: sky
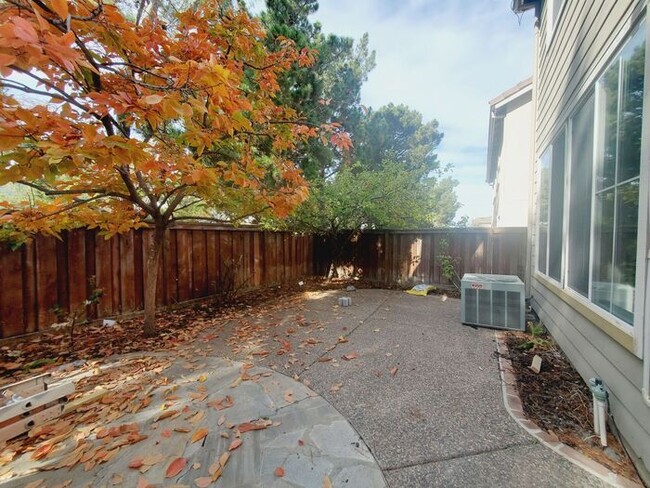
446,59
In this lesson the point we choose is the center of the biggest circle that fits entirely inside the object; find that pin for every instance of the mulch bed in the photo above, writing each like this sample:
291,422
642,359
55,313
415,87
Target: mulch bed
559,402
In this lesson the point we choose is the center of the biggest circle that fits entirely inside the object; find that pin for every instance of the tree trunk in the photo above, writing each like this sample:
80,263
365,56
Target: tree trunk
154,252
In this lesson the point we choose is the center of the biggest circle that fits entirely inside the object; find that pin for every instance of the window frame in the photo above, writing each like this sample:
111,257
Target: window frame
553,15
639,331
551,146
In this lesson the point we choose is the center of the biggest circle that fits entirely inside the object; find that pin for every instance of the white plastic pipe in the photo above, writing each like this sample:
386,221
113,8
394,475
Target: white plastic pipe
596,415
602,423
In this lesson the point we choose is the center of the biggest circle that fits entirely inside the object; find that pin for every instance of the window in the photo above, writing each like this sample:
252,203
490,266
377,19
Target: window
619,96
582,156
552,14
603,188
551,209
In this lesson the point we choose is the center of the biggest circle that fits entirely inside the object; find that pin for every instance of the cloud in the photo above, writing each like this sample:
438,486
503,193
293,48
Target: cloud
446,59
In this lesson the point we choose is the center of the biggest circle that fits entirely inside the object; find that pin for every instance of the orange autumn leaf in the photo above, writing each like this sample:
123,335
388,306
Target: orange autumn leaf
199,434
235,444
136,463
175,467
203,482
60,7
279,472
42,451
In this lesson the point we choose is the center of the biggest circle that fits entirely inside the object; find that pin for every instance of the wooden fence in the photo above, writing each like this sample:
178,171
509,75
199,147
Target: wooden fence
48,274
411,257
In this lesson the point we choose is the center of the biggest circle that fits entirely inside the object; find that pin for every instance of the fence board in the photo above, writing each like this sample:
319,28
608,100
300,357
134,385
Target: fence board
11,294
410,257
48,272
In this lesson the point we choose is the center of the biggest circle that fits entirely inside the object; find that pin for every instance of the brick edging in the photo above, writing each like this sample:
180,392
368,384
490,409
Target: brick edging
512,402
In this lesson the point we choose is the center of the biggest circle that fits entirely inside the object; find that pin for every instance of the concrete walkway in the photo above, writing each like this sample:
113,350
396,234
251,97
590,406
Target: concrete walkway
439,419
392,390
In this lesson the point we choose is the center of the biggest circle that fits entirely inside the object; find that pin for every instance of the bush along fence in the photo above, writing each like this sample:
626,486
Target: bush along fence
438,256
46,279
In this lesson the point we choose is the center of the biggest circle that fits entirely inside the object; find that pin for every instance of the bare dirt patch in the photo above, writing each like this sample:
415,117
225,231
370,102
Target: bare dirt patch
559,402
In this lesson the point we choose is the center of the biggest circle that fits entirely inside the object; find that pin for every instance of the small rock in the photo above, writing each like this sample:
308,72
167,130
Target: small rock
612,454
351,288
537,364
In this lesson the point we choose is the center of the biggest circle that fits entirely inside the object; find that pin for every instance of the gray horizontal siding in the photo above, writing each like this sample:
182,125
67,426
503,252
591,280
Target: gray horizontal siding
585,37
594,353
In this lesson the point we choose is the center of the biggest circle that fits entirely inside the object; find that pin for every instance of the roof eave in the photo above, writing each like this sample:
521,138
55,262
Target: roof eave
521,6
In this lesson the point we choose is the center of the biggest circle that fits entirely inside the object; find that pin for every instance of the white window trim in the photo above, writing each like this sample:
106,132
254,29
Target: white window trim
640,330
546,276
552,22
642,335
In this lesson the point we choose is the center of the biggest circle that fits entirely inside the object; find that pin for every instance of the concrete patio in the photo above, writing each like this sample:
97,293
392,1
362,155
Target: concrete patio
390,391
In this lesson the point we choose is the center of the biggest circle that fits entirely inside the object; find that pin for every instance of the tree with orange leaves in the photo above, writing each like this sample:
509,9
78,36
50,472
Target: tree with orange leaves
119,125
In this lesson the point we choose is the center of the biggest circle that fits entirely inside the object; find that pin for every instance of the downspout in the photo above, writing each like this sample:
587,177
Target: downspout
532,168
645,219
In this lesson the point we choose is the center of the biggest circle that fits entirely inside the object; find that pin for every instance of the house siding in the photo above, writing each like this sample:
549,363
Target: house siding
513,167
587,34
595,354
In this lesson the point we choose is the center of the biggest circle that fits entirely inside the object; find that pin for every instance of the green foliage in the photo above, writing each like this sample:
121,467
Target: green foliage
329,91
448,264
536,339
395,182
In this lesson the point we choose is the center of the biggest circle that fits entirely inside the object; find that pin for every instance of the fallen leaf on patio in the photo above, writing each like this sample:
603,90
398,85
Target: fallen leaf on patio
221,420
199,434
42,451
166,433
143,483
342,340
279,472
222,404
235,444
203,482
324,359
256,425
350,356
326,482
336,387
393,371
389,354
182,430
301,442
166,414
136,463
202,378
197,417
223,459
152,459
116,479
175,467
288,396
225,435
196,465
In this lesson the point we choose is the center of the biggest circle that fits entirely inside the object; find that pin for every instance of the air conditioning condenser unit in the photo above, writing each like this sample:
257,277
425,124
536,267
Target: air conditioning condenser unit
490,300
